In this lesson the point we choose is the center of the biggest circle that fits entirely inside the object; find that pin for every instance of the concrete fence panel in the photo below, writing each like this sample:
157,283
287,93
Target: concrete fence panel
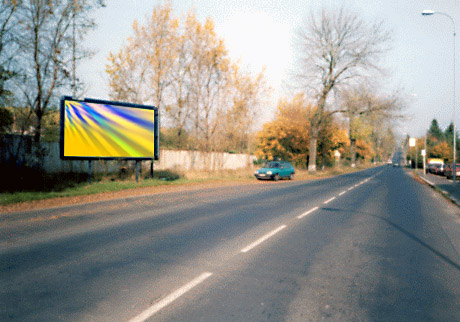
169,159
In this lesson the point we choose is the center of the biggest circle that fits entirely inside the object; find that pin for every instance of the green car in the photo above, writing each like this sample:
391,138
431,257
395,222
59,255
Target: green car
275,170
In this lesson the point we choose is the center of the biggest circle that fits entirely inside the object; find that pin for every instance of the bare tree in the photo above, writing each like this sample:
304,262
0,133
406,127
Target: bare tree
179,110
140,72
335,48
379,111
8,29
209,79
45,51
246,97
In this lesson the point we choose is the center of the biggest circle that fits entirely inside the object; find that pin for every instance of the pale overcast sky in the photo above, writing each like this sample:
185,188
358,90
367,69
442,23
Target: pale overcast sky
260,33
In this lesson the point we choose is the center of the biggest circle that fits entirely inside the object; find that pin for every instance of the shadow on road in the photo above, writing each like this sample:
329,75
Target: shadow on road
443,257
421,242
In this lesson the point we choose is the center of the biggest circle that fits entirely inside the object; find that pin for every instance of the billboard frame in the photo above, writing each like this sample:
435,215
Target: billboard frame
156,129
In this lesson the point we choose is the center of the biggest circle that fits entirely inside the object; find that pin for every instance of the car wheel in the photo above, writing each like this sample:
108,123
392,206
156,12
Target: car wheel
291,176
276,177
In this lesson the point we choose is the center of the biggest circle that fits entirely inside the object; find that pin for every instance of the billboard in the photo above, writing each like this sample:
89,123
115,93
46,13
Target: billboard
95,129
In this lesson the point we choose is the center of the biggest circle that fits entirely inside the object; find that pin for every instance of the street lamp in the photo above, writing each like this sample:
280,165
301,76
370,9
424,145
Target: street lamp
429,13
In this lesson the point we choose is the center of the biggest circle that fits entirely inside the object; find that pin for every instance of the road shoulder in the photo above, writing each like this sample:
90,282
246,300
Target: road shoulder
450,192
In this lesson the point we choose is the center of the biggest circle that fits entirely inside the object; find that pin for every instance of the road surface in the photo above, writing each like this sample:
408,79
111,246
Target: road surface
374,245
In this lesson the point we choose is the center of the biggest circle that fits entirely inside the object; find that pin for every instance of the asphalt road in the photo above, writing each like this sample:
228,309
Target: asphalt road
370,246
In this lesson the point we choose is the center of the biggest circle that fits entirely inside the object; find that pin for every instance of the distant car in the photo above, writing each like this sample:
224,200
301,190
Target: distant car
448,172
439,169
431,168
275,170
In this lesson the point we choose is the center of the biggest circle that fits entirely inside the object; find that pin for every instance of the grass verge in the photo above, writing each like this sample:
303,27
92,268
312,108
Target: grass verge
128,183
83,189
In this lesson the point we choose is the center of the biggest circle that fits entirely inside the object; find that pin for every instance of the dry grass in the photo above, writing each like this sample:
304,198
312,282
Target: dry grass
239,174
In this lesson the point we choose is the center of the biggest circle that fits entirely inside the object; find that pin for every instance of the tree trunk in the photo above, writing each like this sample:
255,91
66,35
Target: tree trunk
315,127
312,159
353,152
38,127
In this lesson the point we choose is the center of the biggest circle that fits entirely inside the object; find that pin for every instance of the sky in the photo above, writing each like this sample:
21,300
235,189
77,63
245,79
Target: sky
260,34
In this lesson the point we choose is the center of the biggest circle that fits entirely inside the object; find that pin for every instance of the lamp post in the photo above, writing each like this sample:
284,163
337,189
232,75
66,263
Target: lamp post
454,166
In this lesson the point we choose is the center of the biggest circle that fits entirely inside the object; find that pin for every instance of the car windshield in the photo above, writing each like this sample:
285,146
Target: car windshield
272,165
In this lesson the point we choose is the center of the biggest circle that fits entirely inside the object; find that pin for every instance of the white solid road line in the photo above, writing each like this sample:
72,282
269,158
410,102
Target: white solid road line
351,188
342,193
262,239
307,213
328,201
170,298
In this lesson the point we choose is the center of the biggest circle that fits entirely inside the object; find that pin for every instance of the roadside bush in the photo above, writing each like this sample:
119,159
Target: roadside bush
34,179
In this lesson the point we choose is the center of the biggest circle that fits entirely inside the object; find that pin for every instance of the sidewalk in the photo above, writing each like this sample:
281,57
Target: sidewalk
441,183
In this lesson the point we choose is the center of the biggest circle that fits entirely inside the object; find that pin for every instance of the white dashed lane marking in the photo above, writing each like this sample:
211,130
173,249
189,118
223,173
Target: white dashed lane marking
170,298
307,213
328,201
262,239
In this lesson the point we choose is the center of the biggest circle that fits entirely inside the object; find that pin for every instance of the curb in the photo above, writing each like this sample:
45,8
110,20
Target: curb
443,192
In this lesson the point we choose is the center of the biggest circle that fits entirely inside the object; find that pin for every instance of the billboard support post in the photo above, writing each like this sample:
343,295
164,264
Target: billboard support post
137,170
151,169
90,170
